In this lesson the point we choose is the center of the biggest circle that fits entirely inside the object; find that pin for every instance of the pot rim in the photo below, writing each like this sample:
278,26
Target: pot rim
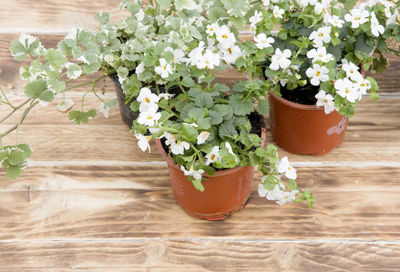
295,105
218,173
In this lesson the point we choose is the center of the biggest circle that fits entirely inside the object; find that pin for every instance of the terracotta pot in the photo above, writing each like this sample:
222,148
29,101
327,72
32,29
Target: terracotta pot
128,116
225,192
305,129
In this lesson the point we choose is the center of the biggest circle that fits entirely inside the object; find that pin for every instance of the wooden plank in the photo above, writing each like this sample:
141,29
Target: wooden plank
54,15
92,201
197,255
369,138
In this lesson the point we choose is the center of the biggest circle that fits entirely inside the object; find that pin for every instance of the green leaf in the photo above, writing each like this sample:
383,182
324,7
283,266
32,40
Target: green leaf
81,117
204,123
74,71
189,132
55,58
16,157
163,4
196,113
18,50
208,170
216,117
204,100
222,88
188,82
227,130
261,152
13,172
102,17
197,184
215,13
241,107
226,111
35,88
237,8
262,106
240,62
269,183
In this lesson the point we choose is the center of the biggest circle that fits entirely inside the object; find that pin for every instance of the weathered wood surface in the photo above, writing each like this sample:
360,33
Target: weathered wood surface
92,201
373,135
54,15
197,255
88,201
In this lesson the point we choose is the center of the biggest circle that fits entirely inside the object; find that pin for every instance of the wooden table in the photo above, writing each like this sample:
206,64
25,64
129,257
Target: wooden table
92,201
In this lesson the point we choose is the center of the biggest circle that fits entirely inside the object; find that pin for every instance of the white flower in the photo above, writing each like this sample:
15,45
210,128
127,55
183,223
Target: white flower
376,28
165,96
213,156
280,59
202,138
277,194
278,12
169,138
143,142
256,18
225,37
283,166
325,100
209,60
351,70
140,68
346,89
195,174
164,70
357,17
179,147
196,55
140,15
363,86
66,105
232,54
321,36
229,147
317,74
287,197
393,19
336,21
212,29
148,100
149,118
178,55
262,41
105,108
322,8
319,54
253,29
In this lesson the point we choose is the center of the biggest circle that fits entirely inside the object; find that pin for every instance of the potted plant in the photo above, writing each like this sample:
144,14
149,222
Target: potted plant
313,55
205,130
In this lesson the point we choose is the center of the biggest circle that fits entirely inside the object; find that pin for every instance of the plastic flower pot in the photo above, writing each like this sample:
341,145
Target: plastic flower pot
128,116
305,129
225,192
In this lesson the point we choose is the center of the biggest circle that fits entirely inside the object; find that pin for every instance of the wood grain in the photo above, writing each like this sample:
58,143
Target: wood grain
198,255
136,202
373,135
54,15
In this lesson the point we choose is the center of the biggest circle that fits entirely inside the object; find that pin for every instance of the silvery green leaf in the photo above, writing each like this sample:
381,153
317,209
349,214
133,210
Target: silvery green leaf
55,58
73,71
102,17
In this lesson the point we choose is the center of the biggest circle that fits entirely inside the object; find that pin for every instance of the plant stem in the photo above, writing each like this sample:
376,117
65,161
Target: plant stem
181,87
26,112
85,83
15,109
5,97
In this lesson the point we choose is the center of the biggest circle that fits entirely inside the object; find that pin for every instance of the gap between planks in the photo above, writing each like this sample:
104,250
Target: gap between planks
162,163
217,239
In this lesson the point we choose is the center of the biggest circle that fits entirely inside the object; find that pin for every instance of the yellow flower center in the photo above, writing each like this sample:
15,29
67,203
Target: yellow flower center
147,100
321,34
212,157
230,51
149,117
165,67
224,36
318,73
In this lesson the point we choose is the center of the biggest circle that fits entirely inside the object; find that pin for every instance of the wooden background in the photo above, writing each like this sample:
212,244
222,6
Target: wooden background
91,201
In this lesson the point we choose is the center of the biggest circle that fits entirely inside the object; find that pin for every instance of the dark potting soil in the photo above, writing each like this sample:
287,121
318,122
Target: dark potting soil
303,95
